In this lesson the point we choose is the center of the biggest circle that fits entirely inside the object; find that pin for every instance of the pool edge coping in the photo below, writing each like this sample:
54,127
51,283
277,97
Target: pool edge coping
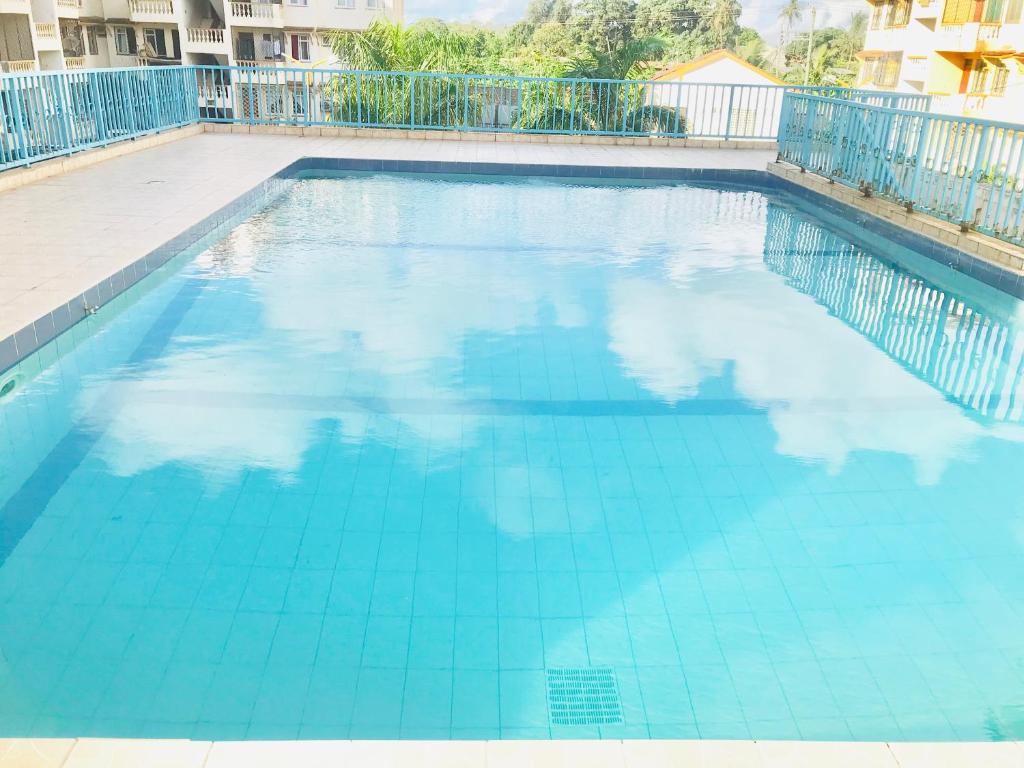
611,753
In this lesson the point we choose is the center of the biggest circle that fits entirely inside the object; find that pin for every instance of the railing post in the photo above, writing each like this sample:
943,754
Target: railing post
919,158
805,147
728,113
63,116
679,99
572,106
306,77
465,102
977,173
412,101
101,128
359,99
782,136
19,125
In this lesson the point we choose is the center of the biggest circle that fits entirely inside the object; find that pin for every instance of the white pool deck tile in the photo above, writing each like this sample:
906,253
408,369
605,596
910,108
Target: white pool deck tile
62,235
156,753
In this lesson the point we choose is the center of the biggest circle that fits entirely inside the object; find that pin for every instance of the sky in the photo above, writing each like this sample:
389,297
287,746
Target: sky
760,14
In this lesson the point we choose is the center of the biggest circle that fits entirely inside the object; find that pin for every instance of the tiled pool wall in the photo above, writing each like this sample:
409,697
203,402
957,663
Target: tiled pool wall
847,218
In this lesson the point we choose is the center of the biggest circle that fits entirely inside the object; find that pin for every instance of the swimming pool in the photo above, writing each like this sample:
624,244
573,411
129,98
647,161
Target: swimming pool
448,457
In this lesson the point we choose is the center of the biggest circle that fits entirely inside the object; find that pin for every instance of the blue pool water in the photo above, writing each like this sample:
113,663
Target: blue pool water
447,458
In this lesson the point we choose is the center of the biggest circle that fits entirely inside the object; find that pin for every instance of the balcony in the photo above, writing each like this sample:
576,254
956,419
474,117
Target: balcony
151,10
69,8
206,40
976,37
13,67
993,38
255,15
47,38
74,62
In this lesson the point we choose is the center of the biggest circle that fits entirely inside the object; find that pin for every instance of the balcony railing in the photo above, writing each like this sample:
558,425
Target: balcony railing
151,8
74,62
256,11
205,35
46,30
968,171
69,4
21,65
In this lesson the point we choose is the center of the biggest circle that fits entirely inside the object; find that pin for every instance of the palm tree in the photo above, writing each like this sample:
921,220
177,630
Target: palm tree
600,105
388,46
723,20
792,12
790,15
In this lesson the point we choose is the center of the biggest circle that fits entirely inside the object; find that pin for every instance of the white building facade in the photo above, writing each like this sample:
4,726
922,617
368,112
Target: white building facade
78,34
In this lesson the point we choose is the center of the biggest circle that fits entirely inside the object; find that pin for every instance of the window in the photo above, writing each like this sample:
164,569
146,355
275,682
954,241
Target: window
245,47
347,4
899,13
94,43
877,10
977,81
300,47
155,41
124,41
867,71
993,12
270,46
1013,11
958,11
1000,75
298,2
882,71
374,5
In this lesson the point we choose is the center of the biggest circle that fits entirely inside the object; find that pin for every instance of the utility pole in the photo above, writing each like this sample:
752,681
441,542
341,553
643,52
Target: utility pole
810,47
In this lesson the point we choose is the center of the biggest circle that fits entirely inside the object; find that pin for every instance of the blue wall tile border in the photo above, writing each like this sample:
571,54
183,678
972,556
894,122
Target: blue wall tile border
31,338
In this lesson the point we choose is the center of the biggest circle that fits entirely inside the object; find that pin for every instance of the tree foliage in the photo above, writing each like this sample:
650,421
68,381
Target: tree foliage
614,39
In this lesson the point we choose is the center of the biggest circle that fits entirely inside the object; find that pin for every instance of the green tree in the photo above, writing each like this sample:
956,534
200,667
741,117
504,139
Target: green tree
832,58
604,25
663,18
724,22
750,47
424,46
790,14
630,61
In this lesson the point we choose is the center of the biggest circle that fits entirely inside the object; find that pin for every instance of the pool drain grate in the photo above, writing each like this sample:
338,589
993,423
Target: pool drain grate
583,696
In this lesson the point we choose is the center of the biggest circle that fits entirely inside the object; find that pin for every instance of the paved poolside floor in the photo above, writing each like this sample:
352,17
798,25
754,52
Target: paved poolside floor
62,235
93,753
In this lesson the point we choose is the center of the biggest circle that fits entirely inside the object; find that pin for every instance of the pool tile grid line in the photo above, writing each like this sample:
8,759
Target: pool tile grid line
51,322
129,753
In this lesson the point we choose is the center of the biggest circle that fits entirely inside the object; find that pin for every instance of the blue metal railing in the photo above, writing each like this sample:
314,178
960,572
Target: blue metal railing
469,102
48,114
967,171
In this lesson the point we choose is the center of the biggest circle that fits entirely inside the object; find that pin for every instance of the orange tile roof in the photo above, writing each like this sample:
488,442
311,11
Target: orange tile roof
677,71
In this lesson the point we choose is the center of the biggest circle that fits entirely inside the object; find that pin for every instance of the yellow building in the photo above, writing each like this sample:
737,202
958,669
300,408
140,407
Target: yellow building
967,54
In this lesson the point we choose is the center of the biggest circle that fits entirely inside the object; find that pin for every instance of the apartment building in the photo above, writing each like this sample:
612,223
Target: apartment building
76,34
967,54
